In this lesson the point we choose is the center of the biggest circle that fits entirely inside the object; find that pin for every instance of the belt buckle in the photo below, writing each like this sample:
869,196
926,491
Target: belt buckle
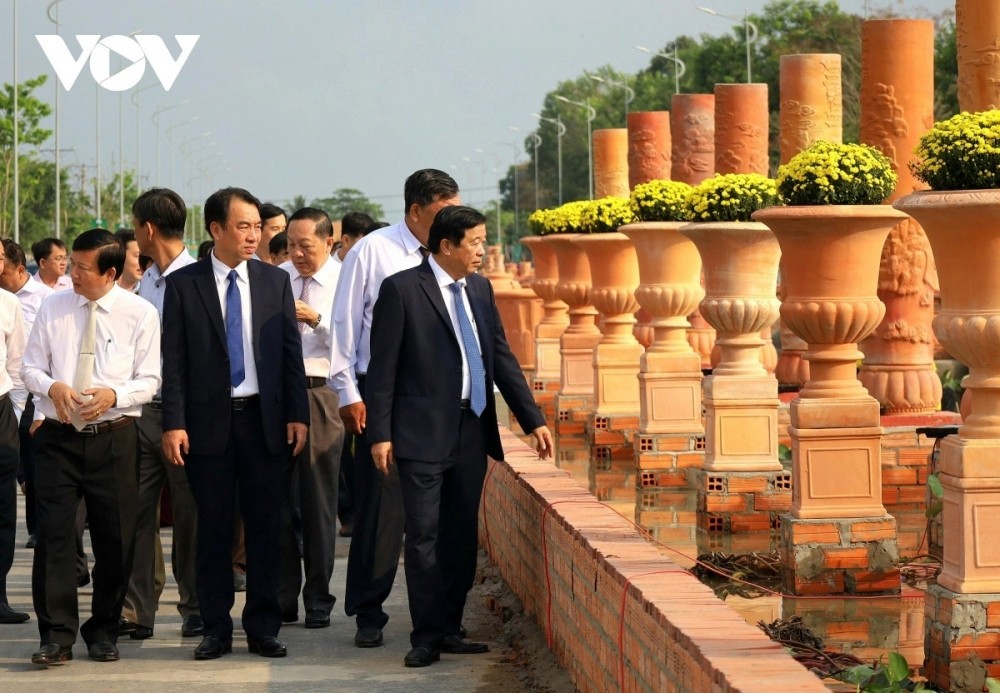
88,431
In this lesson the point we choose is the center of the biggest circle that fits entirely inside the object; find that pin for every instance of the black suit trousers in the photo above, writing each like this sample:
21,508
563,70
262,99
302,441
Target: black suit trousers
246,467
9,458
442,506
102,470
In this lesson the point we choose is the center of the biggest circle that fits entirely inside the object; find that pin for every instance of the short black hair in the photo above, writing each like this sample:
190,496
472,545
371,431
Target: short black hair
324,228
217,205
452,222
125,236
14,253
205,248
376,225
111,252
41,250
278,243
428,185
270,211
355,224
164,208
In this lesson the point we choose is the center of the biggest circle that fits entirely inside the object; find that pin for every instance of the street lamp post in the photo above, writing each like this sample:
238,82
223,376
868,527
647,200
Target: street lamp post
170,143
138,154
536,143
156,122
591,114
517,152
749,28
16,217
629,91
560,131
679,67
54,6
496,170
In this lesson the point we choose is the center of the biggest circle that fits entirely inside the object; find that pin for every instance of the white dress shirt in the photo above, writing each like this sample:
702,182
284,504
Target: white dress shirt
31,296
445,281
62,283
369,261
152,287
127,347
249,385
316,343
12,341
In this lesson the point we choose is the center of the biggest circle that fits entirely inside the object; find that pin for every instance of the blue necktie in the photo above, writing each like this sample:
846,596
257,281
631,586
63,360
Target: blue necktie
234,331
477,374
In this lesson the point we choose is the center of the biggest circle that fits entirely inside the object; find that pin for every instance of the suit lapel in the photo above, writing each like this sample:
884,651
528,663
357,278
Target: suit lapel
210,297
429,285
257,309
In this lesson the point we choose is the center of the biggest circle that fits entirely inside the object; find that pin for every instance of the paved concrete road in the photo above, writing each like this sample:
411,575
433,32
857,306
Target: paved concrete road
318,660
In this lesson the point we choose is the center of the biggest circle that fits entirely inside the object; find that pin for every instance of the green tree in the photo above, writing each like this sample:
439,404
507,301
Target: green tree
344,200
30,112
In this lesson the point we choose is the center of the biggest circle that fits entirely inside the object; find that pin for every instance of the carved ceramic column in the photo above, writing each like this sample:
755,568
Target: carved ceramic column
897,106
811,110
977,23
741,128
519,309
554,320
611,163
692,133
648,146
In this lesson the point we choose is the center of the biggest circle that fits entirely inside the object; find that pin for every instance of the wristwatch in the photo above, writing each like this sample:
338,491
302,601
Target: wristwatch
315,323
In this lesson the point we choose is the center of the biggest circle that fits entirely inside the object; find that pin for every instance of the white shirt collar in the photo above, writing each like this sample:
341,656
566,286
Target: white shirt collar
443,278
222,270
153,273
409,241
323,276
105,302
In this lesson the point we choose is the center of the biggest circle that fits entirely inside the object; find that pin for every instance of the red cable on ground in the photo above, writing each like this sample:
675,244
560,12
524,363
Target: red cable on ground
486,515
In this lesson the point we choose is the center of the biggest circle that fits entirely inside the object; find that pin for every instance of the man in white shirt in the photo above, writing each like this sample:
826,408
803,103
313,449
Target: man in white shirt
158,217
92,361
315,471
12,398
272,222
378,520
50,256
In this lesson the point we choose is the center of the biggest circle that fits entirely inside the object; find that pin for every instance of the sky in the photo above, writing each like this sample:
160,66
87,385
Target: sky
303,98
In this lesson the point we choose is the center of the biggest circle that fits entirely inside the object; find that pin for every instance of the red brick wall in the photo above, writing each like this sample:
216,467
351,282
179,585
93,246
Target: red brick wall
618,614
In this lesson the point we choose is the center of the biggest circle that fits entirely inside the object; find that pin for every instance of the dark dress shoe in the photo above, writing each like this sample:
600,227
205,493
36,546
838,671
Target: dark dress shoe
368,636
317,618
290,617
31,543
192,627
211,647
134,630
83,580
421,656
452,644
268,646
103,651
346,530
51,654
8,615
239,581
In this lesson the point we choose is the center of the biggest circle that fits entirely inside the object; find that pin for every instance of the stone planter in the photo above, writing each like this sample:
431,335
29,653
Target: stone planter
964,232
614,274
740,263
669,290
554,319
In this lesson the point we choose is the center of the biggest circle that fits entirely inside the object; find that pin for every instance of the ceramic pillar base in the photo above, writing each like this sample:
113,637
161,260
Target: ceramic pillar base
971,522
670,394
956,627
615,369
544,391
571,415
609,439
739,502
855,556
576,361
662,460
547,359
741,424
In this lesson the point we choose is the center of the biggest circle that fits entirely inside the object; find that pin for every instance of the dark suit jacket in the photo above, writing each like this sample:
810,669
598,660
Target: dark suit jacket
414,383
196,381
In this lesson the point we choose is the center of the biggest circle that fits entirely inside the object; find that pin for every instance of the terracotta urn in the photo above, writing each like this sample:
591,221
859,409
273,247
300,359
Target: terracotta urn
669,290
964,232
611,163
554,319
701,337
830,260
614,276
577,342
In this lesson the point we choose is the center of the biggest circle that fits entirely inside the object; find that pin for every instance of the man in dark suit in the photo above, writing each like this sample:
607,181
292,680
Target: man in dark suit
234,408
438,347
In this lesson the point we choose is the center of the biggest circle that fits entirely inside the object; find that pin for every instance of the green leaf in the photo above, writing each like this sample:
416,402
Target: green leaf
934,483
934,509
859,674
992,685
898,669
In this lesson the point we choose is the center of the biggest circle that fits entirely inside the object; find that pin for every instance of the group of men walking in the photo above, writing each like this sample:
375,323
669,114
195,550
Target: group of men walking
231,382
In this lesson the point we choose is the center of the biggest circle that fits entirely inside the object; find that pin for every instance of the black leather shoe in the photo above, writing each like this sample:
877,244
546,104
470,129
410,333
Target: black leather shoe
290,617
192,627
368,636
452,644
83,580
462,633
421,656
211,647
103,651
31,543
239,581
134,630
317,618
8,615
268,646
52,654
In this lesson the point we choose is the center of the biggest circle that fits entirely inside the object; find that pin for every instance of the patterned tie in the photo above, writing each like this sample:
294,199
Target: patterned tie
304,297
234,331
84,376
477,374
424,252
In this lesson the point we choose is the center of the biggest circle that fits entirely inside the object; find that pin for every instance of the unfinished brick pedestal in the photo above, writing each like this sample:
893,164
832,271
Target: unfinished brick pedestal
961,639
830,260
740,263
